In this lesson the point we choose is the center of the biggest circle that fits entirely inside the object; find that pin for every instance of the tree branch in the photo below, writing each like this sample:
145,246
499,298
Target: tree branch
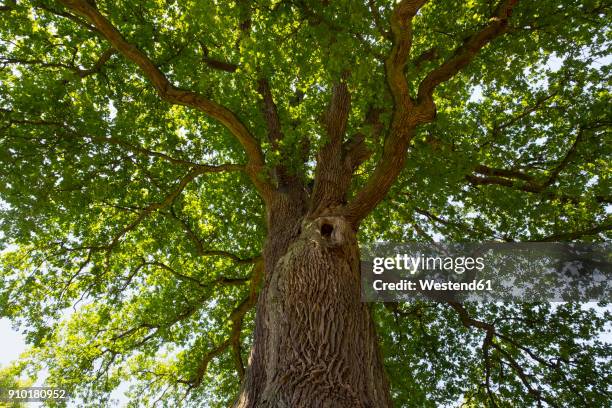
498,25
104,57
151,208
401,28
81,73
508,173
199,245
270,112
565,161
378,20
174,95
333,172
71,17
573,235
404,120
275,133
136,149
205,168
488,343
461,227
236,318
216,63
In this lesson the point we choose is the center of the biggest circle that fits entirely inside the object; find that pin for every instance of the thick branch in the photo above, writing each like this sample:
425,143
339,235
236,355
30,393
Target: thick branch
530,187
104,57
175,95
270,112
337,113
508,173
498,25
333,172
216,63
401,28
404,119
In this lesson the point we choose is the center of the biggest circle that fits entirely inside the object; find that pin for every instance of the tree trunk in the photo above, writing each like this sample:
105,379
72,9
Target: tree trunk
315,343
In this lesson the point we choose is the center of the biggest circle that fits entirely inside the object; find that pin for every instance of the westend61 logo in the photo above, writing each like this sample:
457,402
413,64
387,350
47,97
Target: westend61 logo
412,264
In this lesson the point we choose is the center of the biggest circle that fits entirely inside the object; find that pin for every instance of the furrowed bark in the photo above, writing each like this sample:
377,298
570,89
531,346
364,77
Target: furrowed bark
315,344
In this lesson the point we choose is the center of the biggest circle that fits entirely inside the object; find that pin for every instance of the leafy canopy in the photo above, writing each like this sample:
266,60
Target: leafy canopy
133,227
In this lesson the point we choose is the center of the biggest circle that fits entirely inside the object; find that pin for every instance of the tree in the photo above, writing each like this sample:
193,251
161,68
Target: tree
185,185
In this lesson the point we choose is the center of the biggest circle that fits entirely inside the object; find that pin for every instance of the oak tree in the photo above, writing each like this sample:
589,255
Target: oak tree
185,185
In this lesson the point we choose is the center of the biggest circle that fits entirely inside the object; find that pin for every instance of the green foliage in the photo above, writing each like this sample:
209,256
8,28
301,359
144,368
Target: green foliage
113,291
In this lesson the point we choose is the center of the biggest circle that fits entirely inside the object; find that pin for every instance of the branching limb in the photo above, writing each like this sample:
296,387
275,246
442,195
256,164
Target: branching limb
133,148
498,25
285,178
337,113
221,281
198,243
401,28
461,227
489,343
378,20
530,187
270,112
536,184
153,207
205,168
143,213
508,173
404,120
71,17
174,95
236,318
81,73
573,235
332,175
216,63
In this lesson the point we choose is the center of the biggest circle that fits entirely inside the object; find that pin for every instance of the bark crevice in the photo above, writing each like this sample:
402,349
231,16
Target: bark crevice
315,342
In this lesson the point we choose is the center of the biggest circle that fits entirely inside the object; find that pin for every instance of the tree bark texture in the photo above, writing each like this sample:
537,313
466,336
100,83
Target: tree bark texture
315,343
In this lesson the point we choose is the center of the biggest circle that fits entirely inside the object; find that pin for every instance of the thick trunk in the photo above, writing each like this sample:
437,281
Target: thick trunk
315,343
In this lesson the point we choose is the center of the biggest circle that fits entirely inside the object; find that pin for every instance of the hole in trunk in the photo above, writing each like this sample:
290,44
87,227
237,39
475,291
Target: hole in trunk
326,230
